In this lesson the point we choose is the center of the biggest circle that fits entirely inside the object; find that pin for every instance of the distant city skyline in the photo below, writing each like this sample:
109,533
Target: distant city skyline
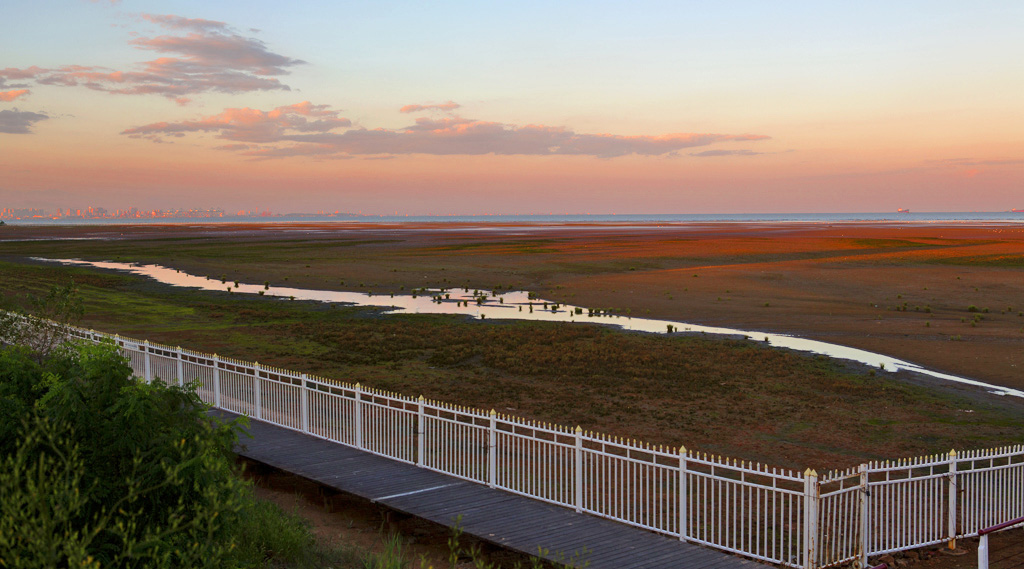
128,213
469,108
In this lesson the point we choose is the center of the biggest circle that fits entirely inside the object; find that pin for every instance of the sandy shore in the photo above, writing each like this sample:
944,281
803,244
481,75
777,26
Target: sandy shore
946,296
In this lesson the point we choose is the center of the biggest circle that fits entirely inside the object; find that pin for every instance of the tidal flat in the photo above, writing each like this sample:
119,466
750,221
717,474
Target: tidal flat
903,290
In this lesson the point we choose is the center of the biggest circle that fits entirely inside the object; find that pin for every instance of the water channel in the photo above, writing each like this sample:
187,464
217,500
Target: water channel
517,305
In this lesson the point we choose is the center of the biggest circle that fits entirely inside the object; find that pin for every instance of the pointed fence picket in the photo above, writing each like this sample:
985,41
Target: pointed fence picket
794,519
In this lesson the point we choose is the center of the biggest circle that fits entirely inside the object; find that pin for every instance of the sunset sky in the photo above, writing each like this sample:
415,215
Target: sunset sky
513,107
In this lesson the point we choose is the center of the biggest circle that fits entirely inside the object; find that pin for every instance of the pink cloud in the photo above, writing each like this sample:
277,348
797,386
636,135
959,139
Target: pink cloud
8,96
306,129
13,73
250,125
447,107
209,56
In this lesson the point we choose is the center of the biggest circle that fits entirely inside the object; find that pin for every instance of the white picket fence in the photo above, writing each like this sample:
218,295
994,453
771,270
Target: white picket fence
796,519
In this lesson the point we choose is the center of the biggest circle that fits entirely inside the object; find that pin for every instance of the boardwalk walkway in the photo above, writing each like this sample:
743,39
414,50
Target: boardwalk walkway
495,516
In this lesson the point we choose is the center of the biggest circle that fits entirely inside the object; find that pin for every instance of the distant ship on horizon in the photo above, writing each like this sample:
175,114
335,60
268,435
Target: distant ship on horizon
903,210
1017,210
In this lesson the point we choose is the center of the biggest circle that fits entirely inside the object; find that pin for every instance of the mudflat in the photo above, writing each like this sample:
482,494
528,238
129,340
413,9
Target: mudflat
946,296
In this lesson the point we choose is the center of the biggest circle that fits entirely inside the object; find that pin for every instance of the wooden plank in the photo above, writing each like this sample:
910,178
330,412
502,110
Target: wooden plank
450,500
500,517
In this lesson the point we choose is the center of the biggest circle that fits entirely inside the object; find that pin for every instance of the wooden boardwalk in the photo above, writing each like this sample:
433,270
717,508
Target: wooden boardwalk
495,516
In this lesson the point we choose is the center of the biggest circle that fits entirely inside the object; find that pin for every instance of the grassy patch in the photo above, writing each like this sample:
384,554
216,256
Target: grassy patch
733,397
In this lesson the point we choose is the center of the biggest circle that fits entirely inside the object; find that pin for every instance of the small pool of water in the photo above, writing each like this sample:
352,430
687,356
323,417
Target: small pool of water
519,306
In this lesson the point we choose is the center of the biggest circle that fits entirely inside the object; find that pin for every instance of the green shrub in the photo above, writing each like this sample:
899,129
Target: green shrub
121,472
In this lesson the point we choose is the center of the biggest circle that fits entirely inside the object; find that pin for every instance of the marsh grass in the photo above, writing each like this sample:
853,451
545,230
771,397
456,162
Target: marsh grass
738,398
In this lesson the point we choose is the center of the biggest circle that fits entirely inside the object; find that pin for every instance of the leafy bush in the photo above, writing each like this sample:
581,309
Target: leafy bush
102,470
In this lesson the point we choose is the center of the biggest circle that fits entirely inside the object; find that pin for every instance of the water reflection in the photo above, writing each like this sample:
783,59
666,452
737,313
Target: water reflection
517,305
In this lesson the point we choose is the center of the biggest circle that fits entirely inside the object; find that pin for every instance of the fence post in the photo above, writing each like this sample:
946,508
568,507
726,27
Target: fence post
811,500
952,498
216,381
359,416
148,366
684,515
865,516
492,450
578,471
257,403
181,368
421,432
983,551
304,403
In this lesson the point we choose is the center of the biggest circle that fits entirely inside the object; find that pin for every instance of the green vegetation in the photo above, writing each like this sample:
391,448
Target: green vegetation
734,397
104,471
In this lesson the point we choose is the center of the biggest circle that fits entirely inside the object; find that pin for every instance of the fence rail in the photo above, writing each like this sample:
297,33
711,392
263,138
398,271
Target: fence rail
792,518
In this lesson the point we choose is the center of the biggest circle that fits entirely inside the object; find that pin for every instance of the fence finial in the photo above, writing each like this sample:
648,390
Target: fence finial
682,449
579,429
952,452
421,399
493,412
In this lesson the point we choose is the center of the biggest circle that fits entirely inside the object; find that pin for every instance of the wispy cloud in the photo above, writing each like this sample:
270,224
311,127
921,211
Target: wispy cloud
182,23
446,107
198,56
720,152
19,122
8,96
15,74
286,132
249,125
